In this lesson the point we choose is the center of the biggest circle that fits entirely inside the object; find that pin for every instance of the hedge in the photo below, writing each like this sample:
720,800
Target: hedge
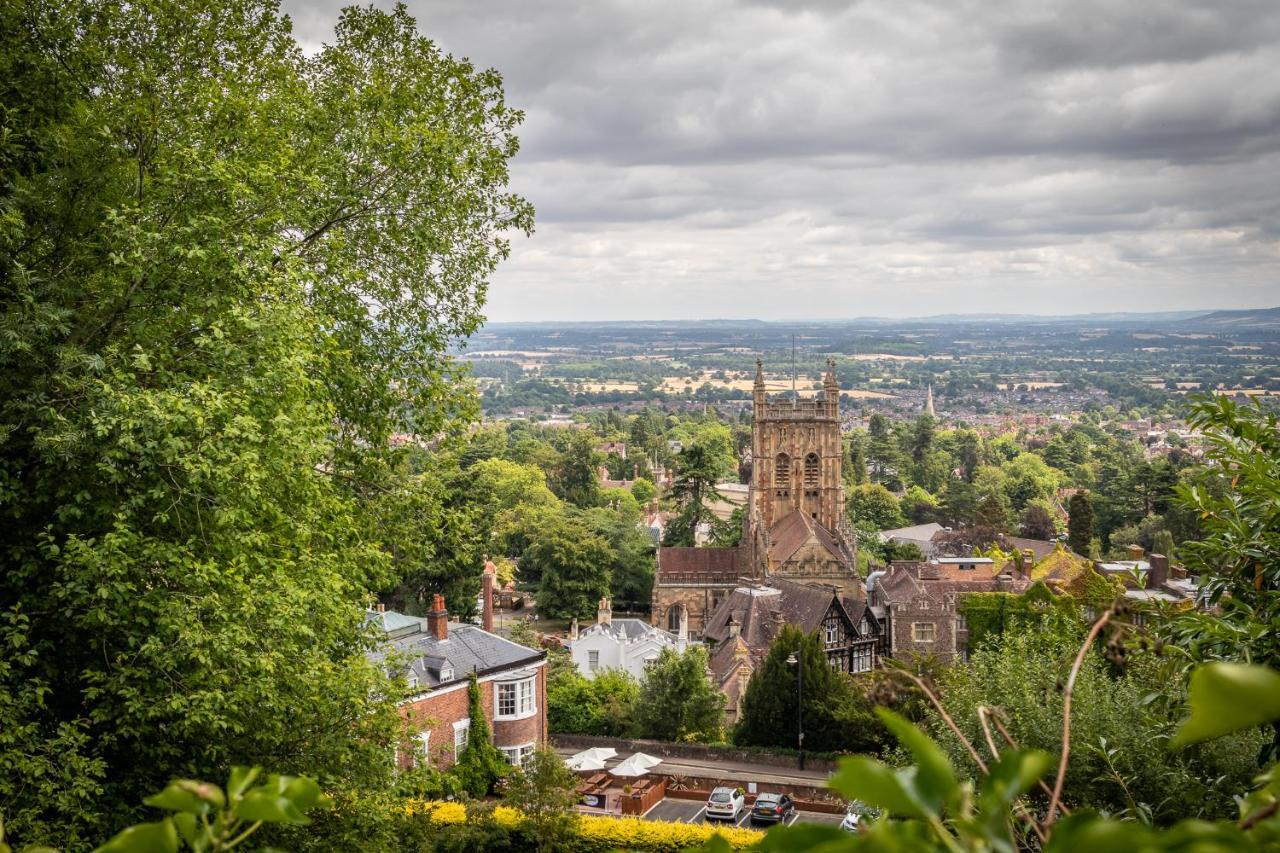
597,834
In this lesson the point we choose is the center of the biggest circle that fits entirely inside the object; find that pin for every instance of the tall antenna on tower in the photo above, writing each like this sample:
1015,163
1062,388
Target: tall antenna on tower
793,368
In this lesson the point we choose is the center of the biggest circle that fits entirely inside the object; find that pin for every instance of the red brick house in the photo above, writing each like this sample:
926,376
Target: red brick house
437,658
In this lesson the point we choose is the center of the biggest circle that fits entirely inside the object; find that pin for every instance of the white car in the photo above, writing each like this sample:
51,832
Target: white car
725,804
855,815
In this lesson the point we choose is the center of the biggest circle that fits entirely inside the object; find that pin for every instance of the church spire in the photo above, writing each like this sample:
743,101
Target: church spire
928,402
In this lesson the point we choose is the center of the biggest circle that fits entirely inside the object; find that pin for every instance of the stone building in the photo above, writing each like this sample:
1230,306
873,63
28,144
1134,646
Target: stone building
743,628
915,603
794,527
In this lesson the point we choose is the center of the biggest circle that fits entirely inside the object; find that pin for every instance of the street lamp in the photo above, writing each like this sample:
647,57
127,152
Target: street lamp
793,661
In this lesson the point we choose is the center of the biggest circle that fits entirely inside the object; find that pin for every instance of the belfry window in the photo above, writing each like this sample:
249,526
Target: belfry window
811,468
782,471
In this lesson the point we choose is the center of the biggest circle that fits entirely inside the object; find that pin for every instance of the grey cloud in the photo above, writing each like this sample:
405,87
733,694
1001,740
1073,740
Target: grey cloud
723,158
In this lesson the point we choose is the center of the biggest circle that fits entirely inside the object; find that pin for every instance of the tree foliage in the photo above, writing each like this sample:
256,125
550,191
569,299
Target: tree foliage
232,273
677,701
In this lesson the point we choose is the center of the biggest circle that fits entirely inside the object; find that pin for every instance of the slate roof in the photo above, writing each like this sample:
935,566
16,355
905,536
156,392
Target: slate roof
790,533
439,662
754,609
628,629
915,533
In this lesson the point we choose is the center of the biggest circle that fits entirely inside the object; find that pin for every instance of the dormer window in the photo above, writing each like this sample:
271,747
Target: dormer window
413,681
446,673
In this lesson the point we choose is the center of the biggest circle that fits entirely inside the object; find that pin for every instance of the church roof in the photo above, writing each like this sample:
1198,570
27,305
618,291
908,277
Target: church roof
699,565
795,530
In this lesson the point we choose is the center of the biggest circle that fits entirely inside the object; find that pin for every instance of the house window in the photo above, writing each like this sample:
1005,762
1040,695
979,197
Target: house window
424,746
922,632
961,623
517,755
413,682
461,731
833,634
863,628
515,700
593,660
862,659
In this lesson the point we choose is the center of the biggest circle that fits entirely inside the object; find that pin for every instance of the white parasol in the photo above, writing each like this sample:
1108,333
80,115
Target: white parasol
591,759
637,765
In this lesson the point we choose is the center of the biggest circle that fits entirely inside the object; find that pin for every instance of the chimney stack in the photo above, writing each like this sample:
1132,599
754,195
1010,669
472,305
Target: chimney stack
382,608
438,618
490,573
604,615
573,630
733,627
1158,575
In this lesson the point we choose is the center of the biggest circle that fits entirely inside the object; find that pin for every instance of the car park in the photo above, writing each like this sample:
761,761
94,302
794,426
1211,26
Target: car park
726,804
772,808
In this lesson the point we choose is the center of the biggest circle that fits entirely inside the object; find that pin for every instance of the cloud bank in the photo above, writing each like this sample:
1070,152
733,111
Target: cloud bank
809,158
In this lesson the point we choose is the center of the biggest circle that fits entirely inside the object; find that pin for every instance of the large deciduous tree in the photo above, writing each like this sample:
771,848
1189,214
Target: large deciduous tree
231,274
573,568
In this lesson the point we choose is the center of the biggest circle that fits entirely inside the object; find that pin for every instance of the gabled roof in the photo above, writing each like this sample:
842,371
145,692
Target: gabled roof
761,611
795,530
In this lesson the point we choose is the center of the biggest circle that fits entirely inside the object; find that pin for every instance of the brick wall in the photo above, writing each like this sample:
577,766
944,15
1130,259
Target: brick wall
436,712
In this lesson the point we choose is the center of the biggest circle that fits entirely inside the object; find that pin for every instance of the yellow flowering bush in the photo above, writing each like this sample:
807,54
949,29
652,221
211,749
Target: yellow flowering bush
596,833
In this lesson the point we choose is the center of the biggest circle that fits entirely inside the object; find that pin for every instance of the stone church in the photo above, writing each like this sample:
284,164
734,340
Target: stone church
795,529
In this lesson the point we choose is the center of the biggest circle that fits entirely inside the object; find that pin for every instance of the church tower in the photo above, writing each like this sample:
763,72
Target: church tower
796,454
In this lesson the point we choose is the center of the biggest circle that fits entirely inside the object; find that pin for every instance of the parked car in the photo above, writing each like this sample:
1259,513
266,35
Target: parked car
772,808
856,815
725,804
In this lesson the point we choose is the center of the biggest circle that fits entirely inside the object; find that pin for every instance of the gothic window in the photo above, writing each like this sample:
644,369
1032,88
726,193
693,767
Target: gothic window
673,618
782,471
811,466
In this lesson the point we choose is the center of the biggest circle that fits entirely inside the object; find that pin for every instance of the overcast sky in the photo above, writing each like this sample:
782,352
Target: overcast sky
807,158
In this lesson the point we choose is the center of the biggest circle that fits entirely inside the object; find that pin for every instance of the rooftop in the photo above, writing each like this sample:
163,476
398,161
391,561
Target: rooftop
435,662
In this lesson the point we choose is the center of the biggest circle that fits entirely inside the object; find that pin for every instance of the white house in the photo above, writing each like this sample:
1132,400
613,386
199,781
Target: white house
629,644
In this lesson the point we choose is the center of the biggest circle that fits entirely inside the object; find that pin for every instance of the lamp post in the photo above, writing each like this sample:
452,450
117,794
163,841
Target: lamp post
793,660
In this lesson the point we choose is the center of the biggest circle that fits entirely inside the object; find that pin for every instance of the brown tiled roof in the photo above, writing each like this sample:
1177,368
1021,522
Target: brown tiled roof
910,579
723,660
711,565
795,529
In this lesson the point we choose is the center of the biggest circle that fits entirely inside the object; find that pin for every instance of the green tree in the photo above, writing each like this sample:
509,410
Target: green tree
693,490
573,566
677,700
872,503
543,790
643,491
769,707
1079,522
232,274
575,478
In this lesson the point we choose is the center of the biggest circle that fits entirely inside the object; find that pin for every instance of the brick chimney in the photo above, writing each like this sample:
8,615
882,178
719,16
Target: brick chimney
382,608
604,613
438,618
486,609
1158,575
